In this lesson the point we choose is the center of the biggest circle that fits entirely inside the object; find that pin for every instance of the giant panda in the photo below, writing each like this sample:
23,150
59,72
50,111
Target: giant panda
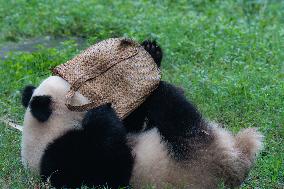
164,143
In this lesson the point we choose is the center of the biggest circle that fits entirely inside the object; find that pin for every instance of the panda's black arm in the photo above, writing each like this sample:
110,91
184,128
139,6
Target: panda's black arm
171,112
175,117
103,122
106,133
96,155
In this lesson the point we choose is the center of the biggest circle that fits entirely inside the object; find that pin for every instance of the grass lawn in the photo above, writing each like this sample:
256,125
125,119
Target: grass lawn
228,55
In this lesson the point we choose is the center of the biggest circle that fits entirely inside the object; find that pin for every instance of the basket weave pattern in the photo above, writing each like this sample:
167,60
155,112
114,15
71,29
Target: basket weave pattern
116,70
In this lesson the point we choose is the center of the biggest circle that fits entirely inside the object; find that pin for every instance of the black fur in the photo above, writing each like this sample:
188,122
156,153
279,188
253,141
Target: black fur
27,94
96,155
135,120
174,115
177,120
154,50
41,107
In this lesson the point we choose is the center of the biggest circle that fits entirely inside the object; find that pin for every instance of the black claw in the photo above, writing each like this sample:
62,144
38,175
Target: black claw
154,50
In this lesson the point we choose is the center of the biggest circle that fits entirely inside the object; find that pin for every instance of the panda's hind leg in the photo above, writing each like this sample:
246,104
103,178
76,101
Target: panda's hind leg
134,122
231,157
177,120
249,142
154,50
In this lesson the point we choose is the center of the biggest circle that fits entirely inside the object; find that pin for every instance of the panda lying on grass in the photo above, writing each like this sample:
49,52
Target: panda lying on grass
165,142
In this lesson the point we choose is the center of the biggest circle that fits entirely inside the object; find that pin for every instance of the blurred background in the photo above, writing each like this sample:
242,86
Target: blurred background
227,55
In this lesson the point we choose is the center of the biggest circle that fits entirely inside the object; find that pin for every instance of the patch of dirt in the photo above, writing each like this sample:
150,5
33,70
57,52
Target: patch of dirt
30,45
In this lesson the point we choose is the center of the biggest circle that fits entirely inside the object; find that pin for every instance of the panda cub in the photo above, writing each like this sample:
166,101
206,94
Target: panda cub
164,142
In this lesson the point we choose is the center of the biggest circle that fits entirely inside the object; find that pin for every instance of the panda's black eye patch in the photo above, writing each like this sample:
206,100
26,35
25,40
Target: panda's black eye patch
27,94
41,107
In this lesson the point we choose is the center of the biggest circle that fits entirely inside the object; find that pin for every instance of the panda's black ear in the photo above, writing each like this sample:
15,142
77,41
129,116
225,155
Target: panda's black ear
41,107
27,93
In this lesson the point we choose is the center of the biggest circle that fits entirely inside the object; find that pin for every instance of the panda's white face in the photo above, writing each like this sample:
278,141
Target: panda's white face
47,118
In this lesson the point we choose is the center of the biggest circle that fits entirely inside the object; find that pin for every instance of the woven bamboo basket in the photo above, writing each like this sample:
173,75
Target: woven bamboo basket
117,71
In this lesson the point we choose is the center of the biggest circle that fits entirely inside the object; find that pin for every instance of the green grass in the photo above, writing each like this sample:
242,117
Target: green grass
227,54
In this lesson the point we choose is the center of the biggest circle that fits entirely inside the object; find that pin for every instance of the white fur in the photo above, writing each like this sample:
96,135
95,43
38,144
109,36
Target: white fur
222,160
37,135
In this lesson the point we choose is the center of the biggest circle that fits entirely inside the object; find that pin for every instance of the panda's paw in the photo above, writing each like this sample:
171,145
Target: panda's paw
101,110
101,117
99,114
154,50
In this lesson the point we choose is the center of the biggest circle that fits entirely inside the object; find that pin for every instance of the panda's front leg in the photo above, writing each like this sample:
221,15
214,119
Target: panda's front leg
95,155
106,133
